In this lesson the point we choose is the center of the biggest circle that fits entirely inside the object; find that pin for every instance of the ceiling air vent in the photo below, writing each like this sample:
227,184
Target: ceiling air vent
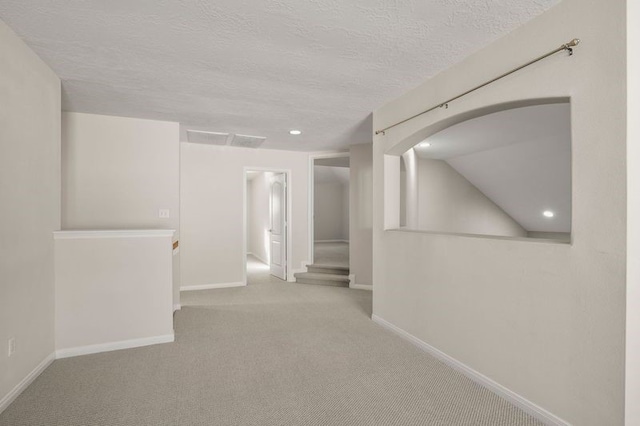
207,138
245,141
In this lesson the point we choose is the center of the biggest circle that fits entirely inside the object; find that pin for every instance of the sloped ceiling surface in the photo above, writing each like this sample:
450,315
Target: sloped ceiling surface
256,67
519,158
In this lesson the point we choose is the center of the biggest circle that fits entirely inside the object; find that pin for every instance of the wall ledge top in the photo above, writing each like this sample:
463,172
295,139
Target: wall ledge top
482,236
111,233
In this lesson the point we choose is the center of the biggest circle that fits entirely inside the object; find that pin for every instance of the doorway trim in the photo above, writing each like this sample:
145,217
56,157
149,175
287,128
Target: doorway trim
310,204
288,248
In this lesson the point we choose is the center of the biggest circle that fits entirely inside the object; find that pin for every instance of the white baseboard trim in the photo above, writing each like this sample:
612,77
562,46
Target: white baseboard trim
524,404
212,286
303,268
355,286
177,307
266,262
332,241
292,276
257,257
24,383
361,287
114,346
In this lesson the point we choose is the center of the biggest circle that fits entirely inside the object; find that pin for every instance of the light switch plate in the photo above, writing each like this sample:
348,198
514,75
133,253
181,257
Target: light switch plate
163,213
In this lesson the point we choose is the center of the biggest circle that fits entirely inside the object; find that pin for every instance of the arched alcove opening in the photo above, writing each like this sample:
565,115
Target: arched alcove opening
503,170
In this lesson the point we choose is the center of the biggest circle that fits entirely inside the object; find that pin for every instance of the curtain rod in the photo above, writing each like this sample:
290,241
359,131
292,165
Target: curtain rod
565,47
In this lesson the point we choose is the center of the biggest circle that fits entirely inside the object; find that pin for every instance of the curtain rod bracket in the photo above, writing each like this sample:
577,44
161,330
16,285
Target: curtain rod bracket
569,46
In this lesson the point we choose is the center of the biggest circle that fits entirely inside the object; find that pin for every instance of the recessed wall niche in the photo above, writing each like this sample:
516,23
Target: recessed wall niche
505,174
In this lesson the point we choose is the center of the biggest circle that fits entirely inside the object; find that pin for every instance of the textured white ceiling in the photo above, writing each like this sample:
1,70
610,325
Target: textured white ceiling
256,67
519,158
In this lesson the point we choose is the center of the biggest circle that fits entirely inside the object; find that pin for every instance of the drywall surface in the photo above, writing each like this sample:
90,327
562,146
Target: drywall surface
112,287
345,210
409,190
447,202
248,218
331,200
633,216
211,196
29,206
329,211
545,320
117,173
258,215
360,218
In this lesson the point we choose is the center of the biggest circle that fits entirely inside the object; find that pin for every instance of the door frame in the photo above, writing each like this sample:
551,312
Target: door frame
311,207
288,245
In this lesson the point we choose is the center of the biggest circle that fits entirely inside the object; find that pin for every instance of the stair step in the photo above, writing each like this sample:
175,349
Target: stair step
322,279
328,269
322,282
327,277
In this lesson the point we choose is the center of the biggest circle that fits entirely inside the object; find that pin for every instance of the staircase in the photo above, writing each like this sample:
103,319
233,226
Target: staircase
335,276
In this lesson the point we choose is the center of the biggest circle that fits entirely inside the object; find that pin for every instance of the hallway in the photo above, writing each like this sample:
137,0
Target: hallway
271,353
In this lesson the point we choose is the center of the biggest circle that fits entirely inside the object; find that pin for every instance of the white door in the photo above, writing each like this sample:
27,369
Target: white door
278,231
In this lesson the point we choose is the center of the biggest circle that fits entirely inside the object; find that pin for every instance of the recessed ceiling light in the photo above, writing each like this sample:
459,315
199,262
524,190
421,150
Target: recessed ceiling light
424,145
548,213
294,132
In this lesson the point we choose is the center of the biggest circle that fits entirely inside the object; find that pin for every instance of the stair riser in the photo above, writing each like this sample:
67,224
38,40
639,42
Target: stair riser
327,271
325,283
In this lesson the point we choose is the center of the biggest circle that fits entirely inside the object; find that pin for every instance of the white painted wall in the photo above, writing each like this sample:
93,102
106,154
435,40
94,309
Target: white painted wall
29,208
361,208
118,172
211,196
330,214
447,202
258,215
345,209
633,216
249,234
544,320
409,188
331,201
113,290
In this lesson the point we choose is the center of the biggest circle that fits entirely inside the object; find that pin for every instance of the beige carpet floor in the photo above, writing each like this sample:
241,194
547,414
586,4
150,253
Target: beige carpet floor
271,353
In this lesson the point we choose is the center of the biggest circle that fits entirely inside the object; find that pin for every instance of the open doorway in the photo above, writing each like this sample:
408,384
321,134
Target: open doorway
267,233
331,211
329,204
